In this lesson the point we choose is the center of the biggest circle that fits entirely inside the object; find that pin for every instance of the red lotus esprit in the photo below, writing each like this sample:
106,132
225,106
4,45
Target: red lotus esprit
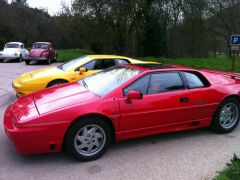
120,103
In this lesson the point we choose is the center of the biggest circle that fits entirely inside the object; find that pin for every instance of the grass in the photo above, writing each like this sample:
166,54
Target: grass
232,172
69,54
219,63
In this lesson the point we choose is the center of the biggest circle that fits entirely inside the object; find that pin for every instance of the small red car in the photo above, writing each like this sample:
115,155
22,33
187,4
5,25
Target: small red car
120,103
42,51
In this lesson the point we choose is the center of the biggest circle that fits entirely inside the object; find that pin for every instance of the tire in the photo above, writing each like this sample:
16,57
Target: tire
20,58
56,58
27,62
56,83
97,142
227,116
49,61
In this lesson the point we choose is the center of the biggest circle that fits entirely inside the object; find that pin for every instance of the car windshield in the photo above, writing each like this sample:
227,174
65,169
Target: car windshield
12,45
74,63
40,46
106,81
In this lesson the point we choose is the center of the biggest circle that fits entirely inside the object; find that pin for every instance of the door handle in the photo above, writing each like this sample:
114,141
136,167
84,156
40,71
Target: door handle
184,99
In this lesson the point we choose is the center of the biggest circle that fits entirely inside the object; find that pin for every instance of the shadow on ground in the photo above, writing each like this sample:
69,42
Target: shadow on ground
134,144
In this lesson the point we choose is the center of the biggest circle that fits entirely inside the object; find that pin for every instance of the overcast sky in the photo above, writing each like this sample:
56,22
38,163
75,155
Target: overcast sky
53,6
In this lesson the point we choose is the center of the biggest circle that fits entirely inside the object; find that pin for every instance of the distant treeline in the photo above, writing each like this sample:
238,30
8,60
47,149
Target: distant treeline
169,28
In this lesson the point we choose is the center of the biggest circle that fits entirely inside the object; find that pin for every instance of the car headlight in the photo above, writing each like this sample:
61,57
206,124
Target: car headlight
45,54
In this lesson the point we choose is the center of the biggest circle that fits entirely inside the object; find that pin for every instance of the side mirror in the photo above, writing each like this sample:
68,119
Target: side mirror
82,70
134,95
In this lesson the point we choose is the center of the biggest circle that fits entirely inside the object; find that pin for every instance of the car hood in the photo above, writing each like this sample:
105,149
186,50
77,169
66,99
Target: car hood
62,96
37,52
24,78
24,109
45,72
10,50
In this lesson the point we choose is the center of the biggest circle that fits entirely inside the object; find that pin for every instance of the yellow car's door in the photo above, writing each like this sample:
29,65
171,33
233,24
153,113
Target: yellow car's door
95,66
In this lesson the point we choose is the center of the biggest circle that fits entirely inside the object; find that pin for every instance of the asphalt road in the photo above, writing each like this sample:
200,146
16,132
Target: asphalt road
197,154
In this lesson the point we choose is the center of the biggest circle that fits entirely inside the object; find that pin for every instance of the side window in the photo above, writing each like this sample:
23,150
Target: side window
22,46
104,64
107,63
193,80
164,82
121,61
139,85
99,64
90,65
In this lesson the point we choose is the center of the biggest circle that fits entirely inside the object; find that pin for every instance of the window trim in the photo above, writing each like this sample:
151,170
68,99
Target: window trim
137,80
204,80
77,69
151,73
116,61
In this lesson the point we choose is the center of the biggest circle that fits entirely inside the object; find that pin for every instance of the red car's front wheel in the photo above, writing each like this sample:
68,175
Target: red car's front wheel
88,139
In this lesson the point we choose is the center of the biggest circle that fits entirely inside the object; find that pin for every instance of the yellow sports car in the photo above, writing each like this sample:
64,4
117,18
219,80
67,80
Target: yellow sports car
71,71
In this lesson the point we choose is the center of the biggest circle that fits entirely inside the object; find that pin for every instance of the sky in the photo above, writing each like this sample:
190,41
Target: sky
53,6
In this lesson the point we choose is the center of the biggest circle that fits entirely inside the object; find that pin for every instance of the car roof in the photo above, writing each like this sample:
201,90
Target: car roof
107,57
147,67
15,43
42,42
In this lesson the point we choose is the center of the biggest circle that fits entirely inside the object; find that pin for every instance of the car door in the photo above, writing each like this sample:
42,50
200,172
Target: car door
201,97
166,102
94,66
161,104
22,50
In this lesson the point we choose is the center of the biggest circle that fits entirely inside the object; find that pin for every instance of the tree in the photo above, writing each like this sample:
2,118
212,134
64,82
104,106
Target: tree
226,18
23,2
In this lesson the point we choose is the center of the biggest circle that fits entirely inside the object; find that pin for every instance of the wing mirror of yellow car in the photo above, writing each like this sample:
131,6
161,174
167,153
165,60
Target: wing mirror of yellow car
82,70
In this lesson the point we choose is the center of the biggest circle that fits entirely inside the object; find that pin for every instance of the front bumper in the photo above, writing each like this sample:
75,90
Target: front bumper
9,57
32,140
24,89
30,58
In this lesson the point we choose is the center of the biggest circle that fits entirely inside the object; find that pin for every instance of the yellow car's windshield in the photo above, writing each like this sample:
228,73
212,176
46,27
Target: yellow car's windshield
75,63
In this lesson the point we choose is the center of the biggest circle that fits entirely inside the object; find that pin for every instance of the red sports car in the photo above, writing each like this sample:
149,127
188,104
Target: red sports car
42,51
120,103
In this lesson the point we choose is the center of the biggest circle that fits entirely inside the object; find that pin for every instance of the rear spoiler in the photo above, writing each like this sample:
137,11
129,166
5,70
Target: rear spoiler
228,74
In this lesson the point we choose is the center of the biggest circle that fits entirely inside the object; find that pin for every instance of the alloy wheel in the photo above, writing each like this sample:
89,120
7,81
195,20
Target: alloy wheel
89,140
228,115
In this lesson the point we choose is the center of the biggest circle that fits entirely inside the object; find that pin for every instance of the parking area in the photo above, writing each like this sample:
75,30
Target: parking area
197,154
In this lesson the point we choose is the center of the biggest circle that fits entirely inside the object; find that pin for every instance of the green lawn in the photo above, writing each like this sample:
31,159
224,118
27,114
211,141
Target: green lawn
69,54
219,63
232,172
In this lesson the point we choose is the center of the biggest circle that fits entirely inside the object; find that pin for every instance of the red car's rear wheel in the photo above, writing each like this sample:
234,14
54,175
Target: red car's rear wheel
227,116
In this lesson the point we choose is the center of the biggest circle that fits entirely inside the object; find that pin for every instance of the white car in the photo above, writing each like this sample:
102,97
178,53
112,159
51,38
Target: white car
12,51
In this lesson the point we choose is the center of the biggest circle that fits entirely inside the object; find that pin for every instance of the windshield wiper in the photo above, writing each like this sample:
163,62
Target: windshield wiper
60,66
84,84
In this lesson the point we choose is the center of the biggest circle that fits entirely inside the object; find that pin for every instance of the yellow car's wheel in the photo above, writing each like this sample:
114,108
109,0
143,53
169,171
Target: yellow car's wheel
56,83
